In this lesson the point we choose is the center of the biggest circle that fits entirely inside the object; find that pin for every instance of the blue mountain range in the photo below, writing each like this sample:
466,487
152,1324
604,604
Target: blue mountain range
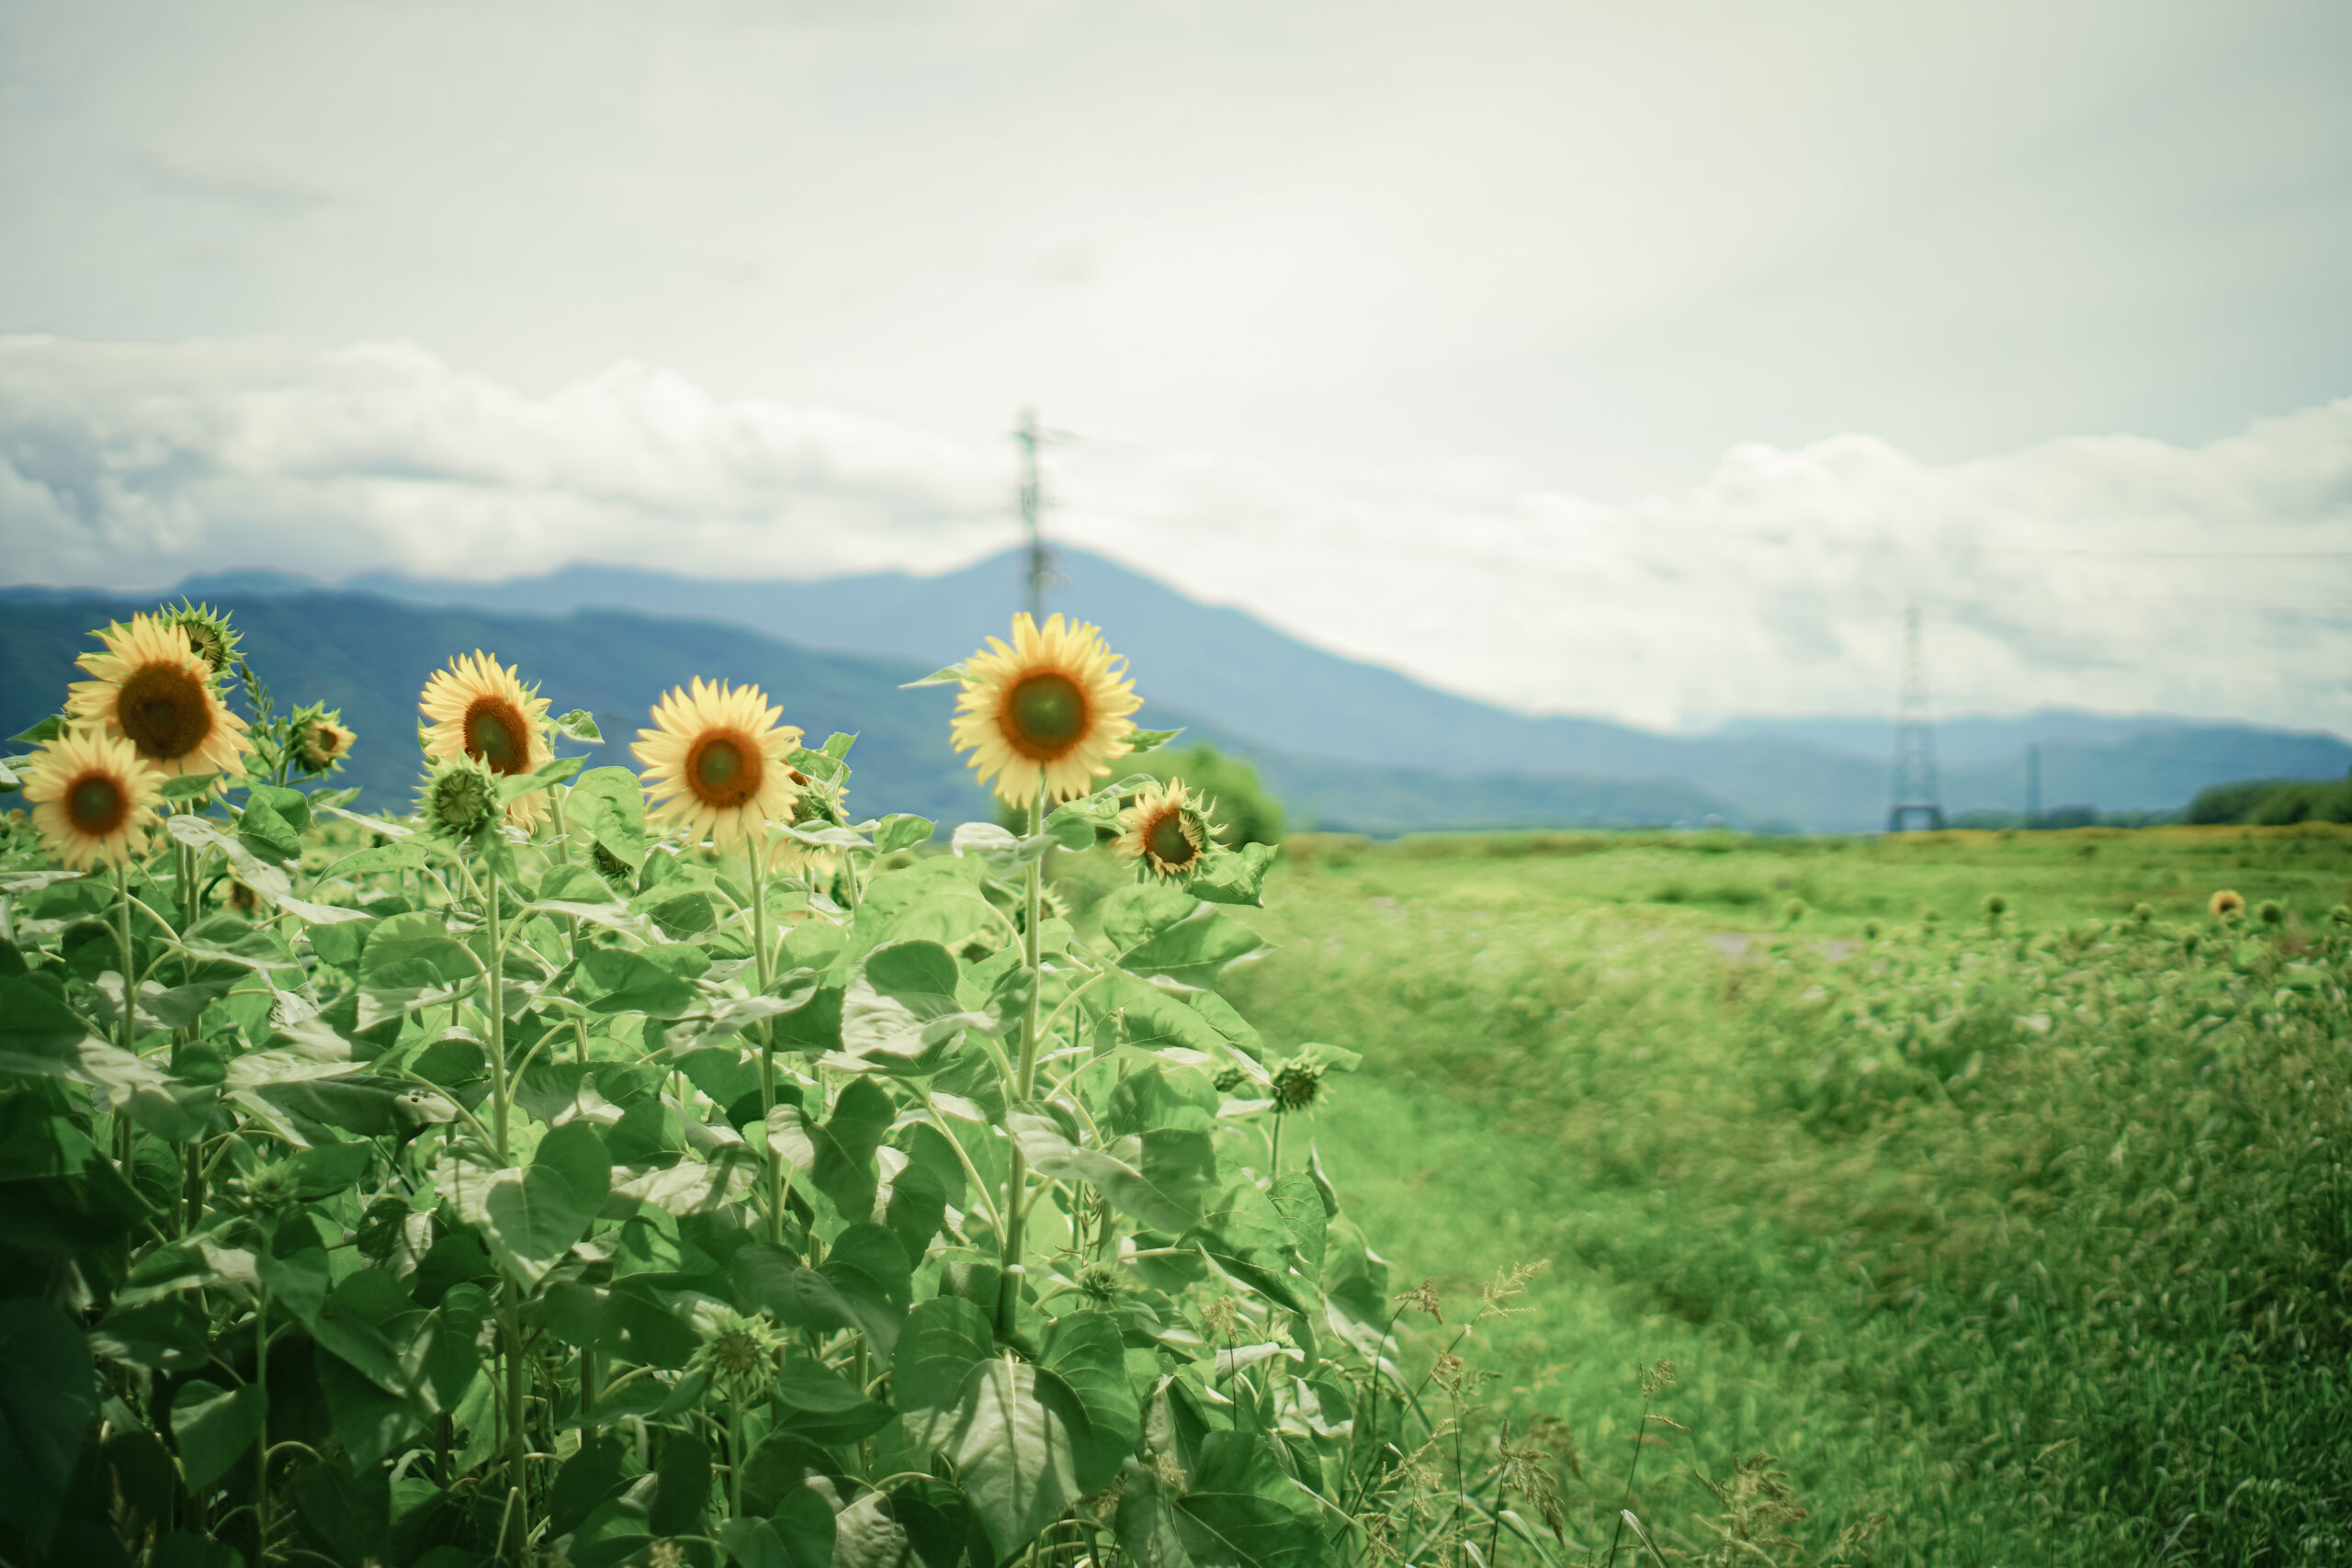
1347,743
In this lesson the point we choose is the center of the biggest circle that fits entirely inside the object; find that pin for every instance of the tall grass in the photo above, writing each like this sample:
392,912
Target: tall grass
2035,1239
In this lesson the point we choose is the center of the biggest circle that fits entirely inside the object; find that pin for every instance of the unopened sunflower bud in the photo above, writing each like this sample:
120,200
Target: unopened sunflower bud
1296,1087
460,799
740,1356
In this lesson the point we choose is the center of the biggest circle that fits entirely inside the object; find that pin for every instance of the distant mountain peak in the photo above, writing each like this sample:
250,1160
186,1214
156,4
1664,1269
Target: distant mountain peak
1323,717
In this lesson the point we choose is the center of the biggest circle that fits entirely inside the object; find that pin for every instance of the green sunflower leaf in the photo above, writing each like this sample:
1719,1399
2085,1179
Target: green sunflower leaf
902,831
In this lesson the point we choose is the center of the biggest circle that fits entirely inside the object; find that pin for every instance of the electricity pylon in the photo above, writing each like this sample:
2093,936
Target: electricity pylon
1915,792
1033,507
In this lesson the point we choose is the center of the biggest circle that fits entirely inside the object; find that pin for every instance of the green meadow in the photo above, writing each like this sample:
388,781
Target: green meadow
2016,1238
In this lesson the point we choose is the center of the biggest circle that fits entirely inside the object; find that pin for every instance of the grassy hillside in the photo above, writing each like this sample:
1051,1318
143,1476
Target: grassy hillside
2026,1239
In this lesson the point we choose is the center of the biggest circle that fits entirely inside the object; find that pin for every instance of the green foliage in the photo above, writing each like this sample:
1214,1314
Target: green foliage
432,1192
376,1193
2014,1243
2273,803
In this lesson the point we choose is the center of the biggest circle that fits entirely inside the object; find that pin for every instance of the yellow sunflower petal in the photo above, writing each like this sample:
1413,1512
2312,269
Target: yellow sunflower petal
480,708
1052,709
153,690
717,763
1165,829
93,797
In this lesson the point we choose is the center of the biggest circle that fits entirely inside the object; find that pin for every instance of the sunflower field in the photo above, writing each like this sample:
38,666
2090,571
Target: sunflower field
680,1166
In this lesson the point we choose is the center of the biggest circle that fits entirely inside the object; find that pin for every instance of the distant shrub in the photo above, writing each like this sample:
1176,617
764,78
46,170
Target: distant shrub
2274,803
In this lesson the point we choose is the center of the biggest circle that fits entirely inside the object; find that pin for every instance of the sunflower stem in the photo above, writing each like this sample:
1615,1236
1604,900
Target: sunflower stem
122,935
502,1094
757,860
501,1091
1014,1208
736,1455
517,1445
128,1025
260,1439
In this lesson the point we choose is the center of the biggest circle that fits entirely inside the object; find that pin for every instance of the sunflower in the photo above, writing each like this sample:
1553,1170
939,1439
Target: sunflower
715,761
207,632
460,797
1053,705
320,741
94,797
479,709
155,691
1167,829
2225,905
742,1355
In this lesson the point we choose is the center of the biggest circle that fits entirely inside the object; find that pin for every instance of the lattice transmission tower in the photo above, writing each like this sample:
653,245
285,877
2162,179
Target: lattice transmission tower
1915,792
1027,438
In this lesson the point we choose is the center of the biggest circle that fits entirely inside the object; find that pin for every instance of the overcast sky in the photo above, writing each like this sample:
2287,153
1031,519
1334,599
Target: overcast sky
1630,359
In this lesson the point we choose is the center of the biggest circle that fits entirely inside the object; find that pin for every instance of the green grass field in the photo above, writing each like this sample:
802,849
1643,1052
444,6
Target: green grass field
2015,1241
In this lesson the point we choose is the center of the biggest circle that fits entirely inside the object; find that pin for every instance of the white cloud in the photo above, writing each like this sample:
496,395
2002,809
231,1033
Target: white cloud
2109,571
140,463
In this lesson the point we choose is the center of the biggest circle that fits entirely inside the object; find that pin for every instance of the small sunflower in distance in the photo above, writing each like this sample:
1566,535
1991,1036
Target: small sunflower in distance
320,741
1057,704
2225,905
93,798
1167,829
479,709
154,690
716,762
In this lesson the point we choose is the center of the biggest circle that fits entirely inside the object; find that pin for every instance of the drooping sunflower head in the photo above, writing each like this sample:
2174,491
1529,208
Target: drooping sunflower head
715,762
1054,706
1167,829
2225,905
94,797
207,632
460,799
2270,912
320,741
479,709
156,690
